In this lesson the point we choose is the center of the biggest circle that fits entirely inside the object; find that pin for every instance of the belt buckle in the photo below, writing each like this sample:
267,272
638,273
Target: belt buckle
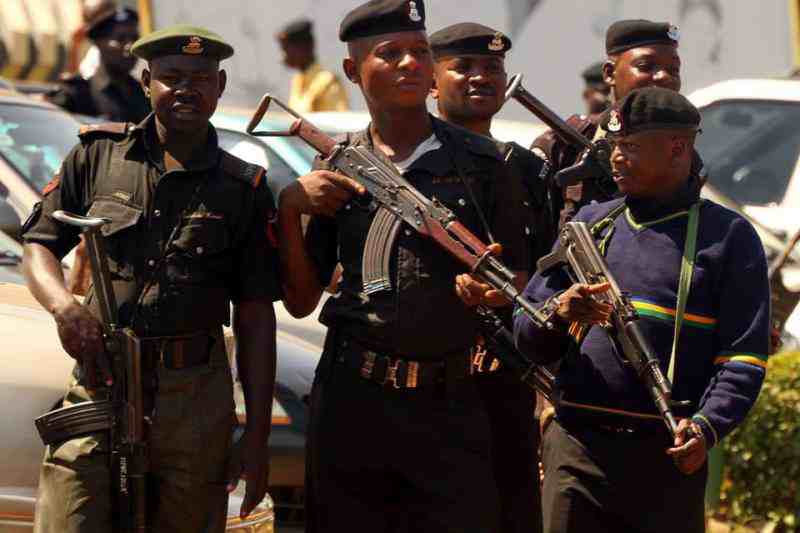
368,365
476,360
391,372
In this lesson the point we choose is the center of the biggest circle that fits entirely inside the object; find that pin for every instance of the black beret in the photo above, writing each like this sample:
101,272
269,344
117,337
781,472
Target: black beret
299,30
182,39
650,108
593,74
105,21
377,17
626,34
469,38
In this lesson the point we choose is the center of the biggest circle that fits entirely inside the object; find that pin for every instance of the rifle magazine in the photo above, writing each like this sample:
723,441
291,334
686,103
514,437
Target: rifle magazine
377,254
75,421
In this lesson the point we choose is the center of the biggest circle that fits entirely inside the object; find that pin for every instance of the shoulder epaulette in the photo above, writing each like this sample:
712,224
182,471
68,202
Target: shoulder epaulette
242,170
582,123
475,143
104,129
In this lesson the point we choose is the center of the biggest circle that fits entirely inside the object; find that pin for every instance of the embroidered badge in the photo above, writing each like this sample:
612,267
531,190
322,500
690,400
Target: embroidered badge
614,122
413,14
194,47
674,33
497,44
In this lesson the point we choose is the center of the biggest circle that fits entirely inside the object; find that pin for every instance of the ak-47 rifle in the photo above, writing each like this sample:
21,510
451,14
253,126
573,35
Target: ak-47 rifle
578,251
123,414
593,165
400,202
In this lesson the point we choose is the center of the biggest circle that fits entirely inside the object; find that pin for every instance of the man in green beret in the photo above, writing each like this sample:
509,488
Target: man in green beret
469,87
188,232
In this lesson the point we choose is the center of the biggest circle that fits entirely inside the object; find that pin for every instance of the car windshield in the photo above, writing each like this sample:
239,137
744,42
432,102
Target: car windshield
34,140
750,148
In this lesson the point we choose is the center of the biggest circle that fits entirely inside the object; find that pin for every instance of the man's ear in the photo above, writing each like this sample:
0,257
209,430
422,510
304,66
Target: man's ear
223,82
608,73
434,88
351,70
146,83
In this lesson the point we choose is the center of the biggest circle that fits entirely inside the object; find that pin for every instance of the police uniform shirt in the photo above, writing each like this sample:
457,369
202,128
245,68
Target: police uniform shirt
222,252
316,89
99,96
421,316
723,345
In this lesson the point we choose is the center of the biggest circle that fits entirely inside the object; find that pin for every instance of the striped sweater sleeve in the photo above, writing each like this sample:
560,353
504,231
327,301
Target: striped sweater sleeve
742,335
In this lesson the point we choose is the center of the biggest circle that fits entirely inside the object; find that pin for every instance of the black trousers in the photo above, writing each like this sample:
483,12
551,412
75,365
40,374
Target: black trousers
600,481
383,460
514,450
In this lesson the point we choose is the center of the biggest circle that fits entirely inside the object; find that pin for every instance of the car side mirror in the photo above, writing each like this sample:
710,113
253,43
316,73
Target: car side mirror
10,221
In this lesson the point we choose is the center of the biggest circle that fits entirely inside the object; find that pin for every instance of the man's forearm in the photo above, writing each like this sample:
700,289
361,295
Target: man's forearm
45,279
254,330
301,286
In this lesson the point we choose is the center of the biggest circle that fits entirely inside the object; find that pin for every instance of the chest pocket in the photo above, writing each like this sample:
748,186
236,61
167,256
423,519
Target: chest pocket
203,248
454,195
120,233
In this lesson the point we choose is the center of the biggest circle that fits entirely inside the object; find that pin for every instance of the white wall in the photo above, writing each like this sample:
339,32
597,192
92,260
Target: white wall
553,39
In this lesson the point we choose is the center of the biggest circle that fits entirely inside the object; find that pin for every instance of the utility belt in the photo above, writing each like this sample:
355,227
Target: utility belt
173,353
401,372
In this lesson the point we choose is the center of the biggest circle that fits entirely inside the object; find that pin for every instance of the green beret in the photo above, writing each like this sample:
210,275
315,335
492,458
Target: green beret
593,74
468,38
378,17
182,39
651,108
626,34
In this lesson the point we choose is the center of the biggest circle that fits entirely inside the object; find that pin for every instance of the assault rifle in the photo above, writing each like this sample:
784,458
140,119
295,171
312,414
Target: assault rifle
123,414
399,202
594,165
577,250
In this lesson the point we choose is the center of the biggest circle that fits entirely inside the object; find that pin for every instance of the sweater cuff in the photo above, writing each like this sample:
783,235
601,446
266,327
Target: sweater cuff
708,430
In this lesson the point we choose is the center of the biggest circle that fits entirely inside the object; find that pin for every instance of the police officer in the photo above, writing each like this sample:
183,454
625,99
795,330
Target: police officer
187,232
111,93
470,81
640,53
595,91
621,471
313,88
398,436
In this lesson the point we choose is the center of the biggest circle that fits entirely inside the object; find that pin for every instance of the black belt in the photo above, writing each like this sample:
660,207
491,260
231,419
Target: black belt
176,353
576,419
402,372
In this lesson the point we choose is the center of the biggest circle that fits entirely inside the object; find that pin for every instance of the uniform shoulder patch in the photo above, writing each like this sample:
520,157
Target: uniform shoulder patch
104,129
242,170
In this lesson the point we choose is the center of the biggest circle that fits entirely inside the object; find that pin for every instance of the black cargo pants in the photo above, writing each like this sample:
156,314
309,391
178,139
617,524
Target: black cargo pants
386,460
609,482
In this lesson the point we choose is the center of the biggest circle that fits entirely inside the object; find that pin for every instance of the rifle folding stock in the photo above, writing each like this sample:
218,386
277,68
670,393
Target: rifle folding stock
594,164
577,251
399,202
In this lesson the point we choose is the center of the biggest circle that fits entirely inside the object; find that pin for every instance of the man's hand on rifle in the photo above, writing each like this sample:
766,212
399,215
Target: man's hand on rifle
689,455
250,462
82,338
474,292
320,192
577,305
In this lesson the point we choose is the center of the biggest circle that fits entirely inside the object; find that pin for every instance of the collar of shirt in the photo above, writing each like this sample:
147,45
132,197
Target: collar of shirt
649,210
309,74
143,136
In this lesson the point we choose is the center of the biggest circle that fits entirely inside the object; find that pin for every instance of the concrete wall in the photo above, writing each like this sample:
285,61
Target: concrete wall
553,39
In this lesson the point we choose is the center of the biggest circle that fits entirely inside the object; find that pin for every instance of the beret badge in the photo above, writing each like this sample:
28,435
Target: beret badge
413,13
497,44
674,33
194,46
614,122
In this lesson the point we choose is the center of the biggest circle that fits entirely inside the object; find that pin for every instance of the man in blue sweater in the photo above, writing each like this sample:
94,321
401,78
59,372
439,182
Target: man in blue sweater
621,472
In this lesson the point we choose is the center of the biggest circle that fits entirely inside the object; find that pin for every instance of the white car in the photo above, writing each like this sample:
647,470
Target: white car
751,148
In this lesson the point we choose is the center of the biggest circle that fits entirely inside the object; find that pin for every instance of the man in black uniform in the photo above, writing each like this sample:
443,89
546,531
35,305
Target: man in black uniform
470,81
640,53
111,93
595,91
188,232
398,435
